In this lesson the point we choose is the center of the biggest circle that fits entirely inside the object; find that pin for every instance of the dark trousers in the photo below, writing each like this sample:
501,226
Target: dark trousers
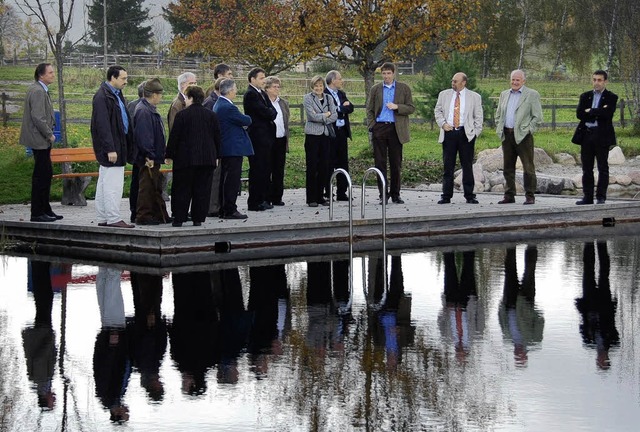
191,186
316,149
339,158
259,172
278,159
230,183
151,205
133,190
594,148
511,151
455,142
385,142
41,183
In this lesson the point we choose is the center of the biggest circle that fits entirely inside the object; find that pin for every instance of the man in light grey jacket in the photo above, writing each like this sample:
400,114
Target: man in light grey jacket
37,133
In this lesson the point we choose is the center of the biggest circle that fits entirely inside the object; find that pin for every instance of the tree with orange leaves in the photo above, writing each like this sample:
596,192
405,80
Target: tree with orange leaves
265,33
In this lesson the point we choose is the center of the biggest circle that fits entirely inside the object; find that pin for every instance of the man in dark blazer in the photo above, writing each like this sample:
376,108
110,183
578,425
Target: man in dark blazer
595,112
262,133
338,151
37,133
235,144
388,109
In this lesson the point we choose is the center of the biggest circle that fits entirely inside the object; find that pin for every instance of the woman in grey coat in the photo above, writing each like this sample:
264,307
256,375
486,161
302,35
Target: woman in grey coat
321,115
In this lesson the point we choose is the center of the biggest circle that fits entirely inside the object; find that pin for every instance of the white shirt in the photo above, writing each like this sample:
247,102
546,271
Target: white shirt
279,120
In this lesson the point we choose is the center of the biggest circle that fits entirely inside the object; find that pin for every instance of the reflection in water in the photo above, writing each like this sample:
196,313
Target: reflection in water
194,329
111,362
149,332
519,319
39,340
291,347
596,307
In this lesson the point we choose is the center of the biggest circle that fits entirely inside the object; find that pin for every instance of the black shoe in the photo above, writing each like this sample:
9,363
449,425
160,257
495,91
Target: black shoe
213,214
258,207
584,201
148,222
236,215
507,200
397,200
58,217
472,201
324,203
176,224
277,203
444,201
168,219
43,218
600,201
197,223
342,198
133,218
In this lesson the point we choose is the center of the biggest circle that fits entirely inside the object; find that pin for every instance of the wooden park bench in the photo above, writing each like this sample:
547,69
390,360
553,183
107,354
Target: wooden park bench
75,183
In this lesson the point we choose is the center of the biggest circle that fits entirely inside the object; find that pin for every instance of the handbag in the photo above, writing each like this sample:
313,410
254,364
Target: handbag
578,135
331,130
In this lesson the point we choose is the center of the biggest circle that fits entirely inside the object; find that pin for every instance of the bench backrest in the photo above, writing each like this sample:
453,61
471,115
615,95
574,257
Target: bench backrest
80,154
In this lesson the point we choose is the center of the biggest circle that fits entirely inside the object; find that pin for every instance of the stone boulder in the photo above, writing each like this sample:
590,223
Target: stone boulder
616,157
635,177
490,159
549,184
621,179
565,159
540,159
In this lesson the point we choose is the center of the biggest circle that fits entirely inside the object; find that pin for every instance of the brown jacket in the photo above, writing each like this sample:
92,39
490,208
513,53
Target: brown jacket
405,108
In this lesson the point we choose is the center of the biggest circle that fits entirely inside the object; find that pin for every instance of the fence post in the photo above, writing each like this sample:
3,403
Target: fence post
4,109
553,116
622,107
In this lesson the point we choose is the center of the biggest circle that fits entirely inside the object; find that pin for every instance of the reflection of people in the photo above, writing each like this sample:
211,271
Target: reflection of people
518,116
194,329
149,332
268,299
596,306
457,292
39,340
324,325
595,112
520,320
111,362
391,322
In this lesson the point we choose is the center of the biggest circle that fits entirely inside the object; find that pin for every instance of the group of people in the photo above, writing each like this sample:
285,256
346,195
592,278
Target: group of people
458,113
209,137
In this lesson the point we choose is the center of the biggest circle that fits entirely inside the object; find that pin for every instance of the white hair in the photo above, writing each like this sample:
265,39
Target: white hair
183,78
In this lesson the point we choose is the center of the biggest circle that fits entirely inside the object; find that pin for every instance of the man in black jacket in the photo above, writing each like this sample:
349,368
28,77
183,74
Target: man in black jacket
112,137
338,152
263,134
595,112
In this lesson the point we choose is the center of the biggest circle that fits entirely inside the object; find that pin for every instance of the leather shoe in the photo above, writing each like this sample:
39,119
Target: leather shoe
277,203
176,224
324,203
600,201
266,205
472,201
235,215
147,222
197,223
507,200
444,201
213,214
397,200
43,218
342,198
102,224
258,207
584,201
313,204
529,200
58,217
120,224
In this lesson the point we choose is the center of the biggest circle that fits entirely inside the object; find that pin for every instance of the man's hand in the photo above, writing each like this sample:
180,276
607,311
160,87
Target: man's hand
392,106
148,163
447,127
113,157
52,138
168,161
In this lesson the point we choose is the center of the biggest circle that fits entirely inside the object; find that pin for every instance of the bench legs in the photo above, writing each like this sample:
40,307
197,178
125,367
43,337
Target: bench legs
73,191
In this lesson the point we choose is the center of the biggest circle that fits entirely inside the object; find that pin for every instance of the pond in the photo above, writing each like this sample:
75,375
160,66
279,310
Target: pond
510,337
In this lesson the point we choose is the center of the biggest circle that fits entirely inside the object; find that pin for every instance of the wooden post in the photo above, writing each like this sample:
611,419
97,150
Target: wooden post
4,109
622,107
553,116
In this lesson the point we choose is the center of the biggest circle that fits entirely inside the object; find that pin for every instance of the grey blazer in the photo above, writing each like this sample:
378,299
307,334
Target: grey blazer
37,120
528,114
286,115
472,115
315,109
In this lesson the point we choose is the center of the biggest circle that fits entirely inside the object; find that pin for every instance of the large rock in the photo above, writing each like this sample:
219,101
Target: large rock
491,159
635,177
616,157
550,185
565,159
540,159
621,179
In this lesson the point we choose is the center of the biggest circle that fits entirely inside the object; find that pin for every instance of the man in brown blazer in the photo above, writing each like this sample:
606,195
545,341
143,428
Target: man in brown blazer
37,133
388,109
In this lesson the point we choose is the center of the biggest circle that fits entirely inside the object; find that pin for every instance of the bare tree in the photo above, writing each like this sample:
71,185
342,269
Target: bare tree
47,12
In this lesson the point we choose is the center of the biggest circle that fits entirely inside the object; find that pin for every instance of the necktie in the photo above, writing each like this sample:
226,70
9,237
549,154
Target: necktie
456,112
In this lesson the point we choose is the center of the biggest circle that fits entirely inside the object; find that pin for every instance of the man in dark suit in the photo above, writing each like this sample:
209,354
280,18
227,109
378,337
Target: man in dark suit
388,109
235,144
338,151
263,134
595,112
37,133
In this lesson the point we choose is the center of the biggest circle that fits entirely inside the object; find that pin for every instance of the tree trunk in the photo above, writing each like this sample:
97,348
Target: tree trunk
610,36
560,40
523,37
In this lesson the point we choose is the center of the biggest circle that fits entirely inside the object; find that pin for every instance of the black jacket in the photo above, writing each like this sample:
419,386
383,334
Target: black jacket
262,113
603,114
343,111
194,139
107,128
149,134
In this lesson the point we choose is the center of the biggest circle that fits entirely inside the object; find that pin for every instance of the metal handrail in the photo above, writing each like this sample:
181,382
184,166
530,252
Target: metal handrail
349,190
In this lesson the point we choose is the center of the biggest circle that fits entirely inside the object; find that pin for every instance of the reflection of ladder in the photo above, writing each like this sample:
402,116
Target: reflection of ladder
362,215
